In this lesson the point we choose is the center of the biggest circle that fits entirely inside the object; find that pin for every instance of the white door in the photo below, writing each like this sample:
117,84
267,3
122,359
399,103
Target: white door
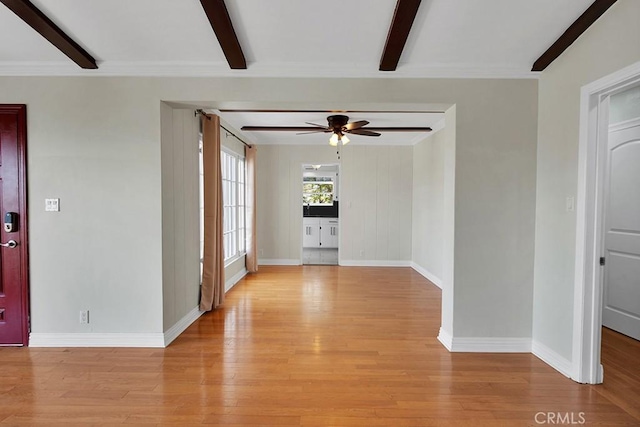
621,309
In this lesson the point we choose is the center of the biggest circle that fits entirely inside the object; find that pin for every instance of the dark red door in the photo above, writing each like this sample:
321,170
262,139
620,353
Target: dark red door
14,311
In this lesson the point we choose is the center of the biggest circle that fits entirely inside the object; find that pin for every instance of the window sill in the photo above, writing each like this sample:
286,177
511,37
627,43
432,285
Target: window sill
231,260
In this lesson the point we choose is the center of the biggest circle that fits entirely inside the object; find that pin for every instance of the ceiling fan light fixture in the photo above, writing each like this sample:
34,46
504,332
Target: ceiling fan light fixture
337,138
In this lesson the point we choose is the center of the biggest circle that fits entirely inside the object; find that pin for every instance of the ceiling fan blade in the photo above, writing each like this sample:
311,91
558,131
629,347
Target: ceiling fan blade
356,125
400,129
363,132
316,125
314,131
283,129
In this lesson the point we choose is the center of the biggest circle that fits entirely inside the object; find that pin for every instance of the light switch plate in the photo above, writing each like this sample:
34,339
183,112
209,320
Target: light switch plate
52,205
570,204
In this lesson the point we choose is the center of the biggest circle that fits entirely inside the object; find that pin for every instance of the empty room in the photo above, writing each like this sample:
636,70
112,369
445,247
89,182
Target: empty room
405,213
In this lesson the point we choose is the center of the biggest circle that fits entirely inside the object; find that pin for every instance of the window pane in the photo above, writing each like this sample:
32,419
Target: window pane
233,214
242,171
241,195
234,193
241,213
225,194
241,240
233,237
231,165
223,165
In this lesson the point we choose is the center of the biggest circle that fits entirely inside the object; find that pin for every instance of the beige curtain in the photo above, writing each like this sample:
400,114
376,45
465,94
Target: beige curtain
212,293
252,248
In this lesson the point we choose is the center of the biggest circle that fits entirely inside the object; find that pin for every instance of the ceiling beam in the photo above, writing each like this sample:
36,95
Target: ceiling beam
37,20
311,128
575,30
222,26
403,17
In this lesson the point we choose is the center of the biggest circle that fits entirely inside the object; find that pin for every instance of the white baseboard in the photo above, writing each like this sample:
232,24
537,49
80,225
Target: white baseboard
278,262
155,340
173,332
490,345
373,263
551,358
446,339
230,283
427,274
484,344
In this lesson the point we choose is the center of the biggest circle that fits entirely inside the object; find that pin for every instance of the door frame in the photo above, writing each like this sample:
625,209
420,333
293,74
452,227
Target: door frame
20,110
302,170
589,277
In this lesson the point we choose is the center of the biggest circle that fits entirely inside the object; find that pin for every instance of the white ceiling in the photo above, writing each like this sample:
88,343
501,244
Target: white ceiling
294,38
449,38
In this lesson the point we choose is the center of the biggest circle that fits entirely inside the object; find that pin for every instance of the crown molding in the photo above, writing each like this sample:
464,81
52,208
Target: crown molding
221,69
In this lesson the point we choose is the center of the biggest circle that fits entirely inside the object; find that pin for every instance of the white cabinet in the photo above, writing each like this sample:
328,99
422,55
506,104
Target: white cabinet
328,232
320,232
310,232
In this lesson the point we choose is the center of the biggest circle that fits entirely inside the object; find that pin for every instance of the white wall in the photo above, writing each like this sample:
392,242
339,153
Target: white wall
180,214
609,45
428,204
95,143
494,210
279,199
375,204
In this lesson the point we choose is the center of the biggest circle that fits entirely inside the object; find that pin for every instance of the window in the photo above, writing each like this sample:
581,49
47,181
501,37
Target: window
233,191
317,191
234,205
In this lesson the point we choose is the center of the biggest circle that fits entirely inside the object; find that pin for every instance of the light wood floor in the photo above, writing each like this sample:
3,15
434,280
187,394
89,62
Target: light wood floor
312,346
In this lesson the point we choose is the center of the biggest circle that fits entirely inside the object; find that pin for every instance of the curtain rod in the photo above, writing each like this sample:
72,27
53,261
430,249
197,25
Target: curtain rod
202,113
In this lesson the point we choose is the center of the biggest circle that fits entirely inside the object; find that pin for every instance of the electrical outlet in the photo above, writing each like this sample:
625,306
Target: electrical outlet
361,252
261,252
84,316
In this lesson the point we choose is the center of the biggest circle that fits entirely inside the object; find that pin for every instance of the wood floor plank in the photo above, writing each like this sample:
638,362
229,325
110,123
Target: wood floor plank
311,346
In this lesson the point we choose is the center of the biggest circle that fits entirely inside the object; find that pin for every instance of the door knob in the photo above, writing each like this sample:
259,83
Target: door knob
10,244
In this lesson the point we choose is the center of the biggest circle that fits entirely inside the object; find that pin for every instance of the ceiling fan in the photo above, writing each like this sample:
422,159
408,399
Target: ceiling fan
338,126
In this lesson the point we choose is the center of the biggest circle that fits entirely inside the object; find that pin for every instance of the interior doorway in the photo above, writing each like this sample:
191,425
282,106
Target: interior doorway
591,236
621,234
320,214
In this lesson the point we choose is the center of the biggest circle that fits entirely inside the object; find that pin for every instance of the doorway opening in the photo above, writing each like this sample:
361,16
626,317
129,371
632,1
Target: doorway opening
320,214
593,257
621,216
